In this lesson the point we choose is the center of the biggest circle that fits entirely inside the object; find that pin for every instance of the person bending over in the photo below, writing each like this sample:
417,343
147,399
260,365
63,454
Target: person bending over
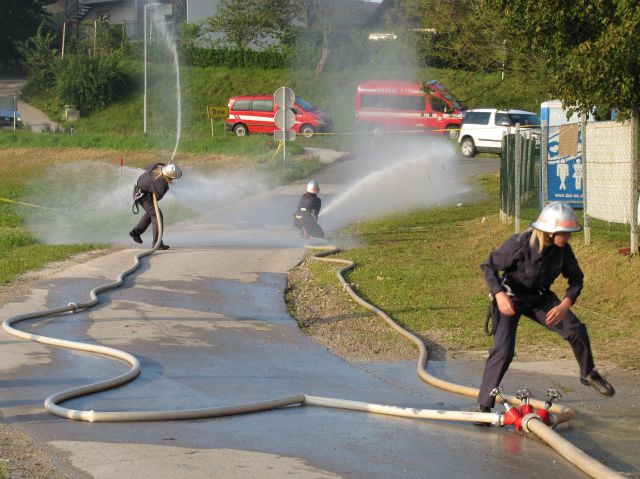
155,179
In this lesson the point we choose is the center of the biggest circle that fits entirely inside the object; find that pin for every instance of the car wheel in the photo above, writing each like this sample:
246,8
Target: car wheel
240,130
452,132
307,131
468,147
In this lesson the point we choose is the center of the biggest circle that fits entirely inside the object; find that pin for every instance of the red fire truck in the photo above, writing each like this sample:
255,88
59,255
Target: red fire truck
408,106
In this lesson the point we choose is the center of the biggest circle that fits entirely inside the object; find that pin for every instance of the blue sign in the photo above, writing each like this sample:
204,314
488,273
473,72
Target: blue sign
565,173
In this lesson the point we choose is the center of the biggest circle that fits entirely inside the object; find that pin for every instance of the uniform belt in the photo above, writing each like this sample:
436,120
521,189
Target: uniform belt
519,290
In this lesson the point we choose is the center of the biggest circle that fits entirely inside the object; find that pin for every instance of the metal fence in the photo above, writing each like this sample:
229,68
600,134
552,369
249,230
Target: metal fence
517,173
608,169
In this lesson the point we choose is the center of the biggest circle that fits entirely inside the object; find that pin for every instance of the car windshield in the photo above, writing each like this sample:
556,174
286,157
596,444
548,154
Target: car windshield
305,105
525,119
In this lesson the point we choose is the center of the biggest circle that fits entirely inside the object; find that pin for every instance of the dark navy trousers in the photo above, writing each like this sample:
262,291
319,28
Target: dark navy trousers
149,217
534,307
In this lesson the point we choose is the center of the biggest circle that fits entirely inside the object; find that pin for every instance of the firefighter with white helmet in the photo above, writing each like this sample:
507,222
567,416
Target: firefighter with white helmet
530,262
306,216
155,179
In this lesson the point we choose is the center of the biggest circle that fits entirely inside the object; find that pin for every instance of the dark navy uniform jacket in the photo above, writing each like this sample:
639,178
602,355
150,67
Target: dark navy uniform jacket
529,272
147,183
309,204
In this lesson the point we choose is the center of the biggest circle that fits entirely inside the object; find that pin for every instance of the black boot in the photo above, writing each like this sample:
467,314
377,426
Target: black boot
481,408
163,246
136,236
600,384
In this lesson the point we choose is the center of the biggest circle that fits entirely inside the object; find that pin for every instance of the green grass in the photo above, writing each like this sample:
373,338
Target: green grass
423,269
21,170
120,124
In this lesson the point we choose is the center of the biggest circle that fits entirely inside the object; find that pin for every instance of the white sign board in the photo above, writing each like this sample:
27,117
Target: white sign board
285,119
284,135
284,98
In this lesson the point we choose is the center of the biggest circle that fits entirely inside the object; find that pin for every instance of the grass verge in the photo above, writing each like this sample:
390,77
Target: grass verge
21,252
423,269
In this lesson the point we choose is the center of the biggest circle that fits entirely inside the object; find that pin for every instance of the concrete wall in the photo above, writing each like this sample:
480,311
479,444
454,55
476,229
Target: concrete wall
198,10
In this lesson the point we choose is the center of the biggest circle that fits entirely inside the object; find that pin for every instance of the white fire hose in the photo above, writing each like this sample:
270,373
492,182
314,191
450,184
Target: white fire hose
52,403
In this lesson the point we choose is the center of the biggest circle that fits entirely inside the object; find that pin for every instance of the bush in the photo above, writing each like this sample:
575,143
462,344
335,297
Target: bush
89,83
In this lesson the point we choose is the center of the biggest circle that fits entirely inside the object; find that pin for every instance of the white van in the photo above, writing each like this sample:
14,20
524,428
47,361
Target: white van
482,129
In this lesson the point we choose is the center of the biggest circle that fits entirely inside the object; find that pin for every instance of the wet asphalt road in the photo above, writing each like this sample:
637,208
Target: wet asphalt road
208,322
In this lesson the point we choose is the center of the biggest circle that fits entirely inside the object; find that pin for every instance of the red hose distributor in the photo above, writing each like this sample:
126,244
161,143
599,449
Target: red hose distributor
511,414
544,414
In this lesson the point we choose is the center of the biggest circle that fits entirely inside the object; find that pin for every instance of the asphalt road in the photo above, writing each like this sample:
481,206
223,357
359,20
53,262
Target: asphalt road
31,116
208,321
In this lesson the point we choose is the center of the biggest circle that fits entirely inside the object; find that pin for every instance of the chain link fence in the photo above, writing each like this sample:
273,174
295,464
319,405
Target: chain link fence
611,172
593,165
517,173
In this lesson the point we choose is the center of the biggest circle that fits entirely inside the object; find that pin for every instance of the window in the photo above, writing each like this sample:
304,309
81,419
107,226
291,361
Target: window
388,102
503,118
263,105
525,119
241,105
477,118
439,105
305,105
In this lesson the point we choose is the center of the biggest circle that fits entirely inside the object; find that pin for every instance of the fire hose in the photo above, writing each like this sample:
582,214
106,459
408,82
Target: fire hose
523,418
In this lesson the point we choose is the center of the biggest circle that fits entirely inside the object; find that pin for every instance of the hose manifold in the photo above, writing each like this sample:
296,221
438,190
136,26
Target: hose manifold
526,419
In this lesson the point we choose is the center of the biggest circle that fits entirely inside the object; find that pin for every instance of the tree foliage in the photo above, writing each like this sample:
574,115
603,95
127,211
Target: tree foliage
89,83
19,20
246,22
589,48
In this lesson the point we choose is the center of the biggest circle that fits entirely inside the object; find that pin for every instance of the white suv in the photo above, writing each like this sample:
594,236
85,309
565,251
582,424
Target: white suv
482,129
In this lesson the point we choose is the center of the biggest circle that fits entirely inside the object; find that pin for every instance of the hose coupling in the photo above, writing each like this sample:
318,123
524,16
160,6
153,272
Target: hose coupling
73,306
547,418
525,421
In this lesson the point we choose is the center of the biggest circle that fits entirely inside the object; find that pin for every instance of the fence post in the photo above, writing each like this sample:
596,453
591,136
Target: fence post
517,181
634,182
585,169
544,159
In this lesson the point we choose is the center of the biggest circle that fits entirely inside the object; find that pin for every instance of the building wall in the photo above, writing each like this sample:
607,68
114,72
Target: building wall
199,10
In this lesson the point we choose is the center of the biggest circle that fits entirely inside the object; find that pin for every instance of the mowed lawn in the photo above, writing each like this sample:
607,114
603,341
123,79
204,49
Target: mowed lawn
423,269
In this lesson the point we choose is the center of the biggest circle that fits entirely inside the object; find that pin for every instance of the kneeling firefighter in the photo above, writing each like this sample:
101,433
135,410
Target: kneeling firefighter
306,216
531,262
155,179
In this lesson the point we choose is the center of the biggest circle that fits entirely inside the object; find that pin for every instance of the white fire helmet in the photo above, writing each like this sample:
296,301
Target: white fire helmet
172,171
557,217
313,187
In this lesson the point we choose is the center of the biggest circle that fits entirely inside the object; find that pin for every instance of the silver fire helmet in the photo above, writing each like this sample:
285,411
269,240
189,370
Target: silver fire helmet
313,187
172,171
557,217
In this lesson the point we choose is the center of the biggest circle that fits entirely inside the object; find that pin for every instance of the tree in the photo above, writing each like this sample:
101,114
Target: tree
589,48
19,21
462,34
251,21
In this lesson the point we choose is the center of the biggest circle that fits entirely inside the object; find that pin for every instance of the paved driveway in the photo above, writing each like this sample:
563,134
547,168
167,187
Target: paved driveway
208,322
36,119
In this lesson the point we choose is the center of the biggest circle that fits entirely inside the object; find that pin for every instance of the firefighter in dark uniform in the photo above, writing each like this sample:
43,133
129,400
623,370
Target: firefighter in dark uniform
156,179
531,261
306,216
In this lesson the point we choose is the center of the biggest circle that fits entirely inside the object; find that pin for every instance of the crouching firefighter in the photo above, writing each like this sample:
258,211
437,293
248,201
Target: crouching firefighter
531,262
306,216
155,179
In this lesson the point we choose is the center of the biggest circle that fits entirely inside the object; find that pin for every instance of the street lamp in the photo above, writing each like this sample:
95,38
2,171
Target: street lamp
146,6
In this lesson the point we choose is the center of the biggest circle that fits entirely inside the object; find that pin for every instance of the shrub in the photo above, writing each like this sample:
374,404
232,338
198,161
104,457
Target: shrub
89,83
